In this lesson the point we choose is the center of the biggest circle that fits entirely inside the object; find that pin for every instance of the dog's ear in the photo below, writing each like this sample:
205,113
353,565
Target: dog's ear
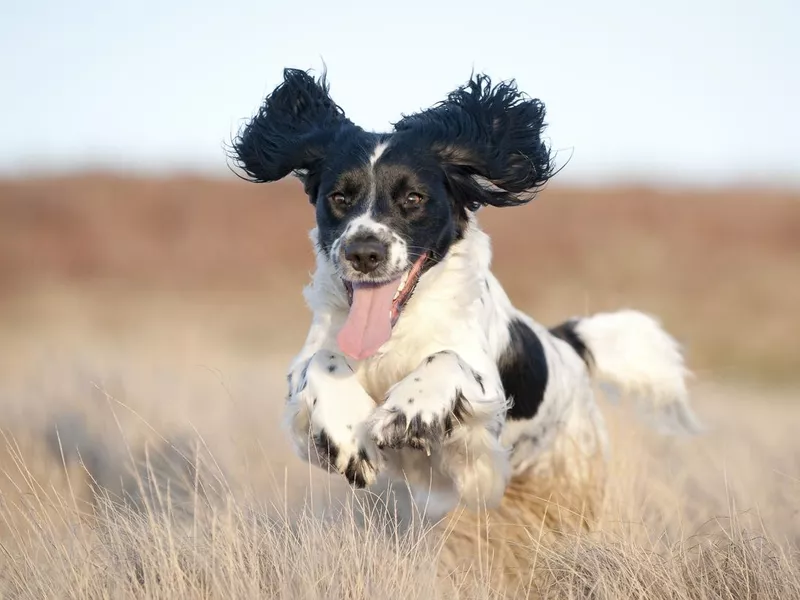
488,139
292,130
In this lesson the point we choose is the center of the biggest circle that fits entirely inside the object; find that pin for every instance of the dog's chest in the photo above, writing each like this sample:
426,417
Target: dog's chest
379,374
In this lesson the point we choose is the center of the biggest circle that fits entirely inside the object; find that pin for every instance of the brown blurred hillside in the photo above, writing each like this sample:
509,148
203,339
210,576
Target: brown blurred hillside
721,268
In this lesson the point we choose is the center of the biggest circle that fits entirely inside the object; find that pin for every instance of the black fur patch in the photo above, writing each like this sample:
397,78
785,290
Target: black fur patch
327,448
567,331
492,131
523,371
399,428
461,409
354,472
448,425
458,414
422,435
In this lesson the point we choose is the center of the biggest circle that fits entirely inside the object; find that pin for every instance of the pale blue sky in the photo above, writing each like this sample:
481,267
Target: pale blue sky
680,91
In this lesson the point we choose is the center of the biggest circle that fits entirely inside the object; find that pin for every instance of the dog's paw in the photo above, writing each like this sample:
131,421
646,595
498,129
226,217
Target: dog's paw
424,409
345,457
338,407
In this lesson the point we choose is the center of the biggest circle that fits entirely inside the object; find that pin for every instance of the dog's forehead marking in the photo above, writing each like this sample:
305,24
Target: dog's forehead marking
379,149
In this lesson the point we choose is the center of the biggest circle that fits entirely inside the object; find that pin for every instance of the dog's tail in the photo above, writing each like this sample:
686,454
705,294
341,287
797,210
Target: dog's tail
628,352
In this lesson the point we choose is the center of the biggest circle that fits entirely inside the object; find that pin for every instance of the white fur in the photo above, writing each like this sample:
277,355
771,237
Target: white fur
459,313
365,224
634,355
377,153
373,183
325,397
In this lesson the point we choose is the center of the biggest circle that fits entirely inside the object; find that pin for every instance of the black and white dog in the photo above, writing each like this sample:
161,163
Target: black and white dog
417,366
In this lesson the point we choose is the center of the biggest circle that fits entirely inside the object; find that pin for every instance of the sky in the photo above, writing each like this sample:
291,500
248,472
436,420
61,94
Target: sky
671,92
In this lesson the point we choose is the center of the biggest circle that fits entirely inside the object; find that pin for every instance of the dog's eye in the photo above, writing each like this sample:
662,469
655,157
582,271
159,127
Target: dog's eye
339,200
412,200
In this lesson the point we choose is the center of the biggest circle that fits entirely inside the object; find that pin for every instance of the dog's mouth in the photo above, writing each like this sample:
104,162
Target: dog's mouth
374,311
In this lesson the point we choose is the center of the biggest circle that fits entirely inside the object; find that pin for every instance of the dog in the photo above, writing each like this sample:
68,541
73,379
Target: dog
417,367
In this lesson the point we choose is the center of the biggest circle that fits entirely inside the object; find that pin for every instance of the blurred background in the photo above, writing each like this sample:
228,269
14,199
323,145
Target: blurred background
136,269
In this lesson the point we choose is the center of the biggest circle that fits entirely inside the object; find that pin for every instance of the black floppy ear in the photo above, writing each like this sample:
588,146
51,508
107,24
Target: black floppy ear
291,131
488,140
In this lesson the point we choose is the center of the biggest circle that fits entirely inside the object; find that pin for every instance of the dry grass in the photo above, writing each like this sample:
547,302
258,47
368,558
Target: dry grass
141,383
193,494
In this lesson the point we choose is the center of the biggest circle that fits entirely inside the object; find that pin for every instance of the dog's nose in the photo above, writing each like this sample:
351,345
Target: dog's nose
365,254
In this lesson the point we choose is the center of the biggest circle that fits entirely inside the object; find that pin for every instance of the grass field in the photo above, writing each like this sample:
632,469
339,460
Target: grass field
144,330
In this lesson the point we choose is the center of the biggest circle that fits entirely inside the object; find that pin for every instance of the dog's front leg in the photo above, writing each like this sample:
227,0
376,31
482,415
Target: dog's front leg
326,414
452,413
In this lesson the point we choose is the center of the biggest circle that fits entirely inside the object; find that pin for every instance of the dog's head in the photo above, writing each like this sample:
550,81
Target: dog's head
390,205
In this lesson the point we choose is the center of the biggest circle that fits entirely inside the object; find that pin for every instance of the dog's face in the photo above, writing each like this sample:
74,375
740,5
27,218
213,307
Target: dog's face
381,209
389,206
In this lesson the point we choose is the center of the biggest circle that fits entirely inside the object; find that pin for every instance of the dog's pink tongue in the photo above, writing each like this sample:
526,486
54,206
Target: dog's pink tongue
369,324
